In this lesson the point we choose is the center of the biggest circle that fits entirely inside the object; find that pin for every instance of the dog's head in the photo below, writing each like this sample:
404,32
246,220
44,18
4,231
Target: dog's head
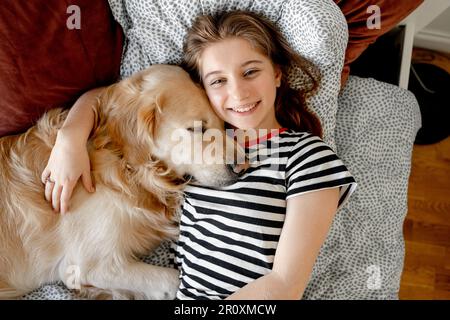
161,115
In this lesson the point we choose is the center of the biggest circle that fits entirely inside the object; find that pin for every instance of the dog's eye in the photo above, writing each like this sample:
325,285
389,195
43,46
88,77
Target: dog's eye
196,129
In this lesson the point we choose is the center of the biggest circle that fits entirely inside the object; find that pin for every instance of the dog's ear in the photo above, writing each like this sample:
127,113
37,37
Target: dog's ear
115,98
149,115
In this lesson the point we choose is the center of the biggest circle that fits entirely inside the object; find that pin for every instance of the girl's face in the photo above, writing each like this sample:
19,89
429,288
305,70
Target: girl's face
240,83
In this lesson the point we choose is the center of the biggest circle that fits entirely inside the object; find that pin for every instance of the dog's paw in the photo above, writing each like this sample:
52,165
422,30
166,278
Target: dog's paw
93,293
167,286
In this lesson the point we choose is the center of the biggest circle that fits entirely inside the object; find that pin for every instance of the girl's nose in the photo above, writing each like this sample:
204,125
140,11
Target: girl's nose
239,90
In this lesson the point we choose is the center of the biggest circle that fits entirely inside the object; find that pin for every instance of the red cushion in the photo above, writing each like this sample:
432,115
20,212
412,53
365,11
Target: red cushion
360,37
44,65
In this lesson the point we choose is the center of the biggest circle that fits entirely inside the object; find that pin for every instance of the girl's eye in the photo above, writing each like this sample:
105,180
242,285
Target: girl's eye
250,72
216,83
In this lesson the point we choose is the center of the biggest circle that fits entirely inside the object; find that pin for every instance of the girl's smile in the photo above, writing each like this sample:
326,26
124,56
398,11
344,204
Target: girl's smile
244,110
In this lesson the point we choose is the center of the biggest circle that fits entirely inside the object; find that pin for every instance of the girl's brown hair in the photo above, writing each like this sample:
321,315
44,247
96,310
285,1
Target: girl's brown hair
290,104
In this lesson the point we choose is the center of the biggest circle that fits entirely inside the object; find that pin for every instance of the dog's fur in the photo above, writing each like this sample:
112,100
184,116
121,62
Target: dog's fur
138,191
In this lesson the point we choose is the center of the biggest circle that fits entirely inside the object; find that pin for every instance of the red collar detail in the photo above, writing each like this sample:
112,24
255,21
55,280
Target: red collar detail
273,133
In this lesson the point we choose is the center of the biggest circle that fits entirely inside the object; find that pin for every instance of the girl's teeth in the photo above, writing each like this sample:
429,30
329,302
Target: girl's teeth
245,109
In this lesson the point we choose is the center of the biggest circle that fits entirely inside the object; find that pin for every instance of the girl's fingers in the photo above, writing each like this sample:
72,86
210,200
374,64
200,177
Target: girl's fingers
45,175
87,181
49,189
65,197
56,197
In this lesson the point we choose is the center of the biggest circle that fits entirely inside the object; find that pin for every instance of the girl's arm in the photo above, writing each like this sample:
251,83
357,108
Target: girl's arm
69,159
308,220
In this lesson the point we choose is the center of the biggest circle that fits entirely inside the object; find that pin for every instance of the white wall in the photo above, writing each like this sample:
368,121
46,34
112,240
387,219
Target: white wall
442,22
417,34
434,35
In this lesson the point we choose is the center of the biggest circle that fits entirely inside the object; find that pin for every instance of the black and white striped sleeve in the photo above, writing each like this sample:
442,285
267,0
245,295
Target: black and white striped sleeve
313,166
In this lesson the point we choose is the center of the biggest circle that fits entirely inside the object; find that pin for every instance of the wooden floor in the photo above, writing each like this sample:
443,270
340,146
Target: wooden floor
426,274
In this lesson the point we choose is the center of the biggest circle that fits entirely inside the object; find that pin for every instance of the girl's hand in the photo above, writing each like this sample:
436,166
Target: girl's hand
68,161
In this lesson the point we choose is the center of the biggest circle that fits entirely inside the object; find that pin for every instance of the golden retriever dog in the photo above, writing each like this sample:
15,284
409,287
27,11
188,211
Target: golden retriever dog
135,162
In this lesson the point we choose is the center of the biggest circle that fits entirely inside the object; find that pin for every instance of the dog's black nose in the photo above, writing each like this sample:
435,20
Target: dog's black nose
239,169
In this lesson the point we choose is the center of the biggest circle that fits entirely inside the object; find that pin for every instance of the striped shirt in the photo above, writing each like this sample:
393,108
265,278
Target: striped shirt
228,236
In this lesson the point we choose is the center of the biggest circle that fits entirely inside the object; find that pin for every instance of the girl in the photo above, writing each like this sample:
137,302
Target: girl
258,238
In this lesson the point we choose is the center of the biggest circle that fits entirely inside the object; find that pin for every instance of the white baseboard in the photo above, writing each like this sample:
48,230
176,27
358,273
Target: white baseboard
433,40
